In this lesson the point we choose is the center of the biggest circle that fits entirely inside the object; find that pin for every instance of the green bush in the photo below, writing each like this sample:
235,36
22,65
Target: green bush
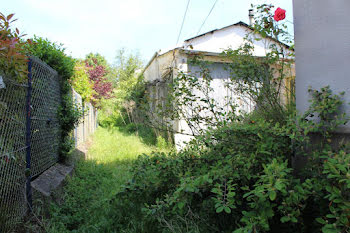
161,143
131,128
240,178
145,132
54,55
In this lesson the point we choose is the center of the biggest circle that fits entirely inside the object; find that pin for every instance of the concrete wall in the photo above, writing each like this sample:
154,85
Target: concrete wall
88,124
222,95
322,48
159,67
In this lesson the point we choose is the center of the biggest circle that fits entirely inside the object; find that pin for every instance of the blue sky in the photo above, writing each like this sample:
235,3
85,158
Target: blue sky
143,26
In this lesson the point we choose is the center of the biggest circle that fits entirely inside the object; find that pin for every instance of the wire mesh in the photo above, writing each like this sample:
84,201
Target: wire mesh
44,137
12,153
45,129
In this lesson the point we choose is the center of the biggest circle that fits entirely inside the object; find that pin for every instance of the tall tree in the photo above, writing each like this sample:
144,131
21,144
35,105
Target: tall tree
98,71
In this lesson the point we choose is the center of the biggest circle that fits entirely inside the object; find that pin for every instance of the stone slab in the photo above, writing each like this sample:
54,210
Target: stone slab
51,179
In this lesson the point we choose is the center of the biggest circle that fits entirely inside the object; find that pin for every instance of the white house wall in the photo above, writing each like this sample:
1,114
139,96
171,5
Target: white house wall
230,37
221,94
158,67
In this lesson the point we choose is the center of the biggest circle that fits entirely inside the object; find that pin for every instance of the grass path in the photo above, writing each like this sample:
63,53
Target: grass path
86,199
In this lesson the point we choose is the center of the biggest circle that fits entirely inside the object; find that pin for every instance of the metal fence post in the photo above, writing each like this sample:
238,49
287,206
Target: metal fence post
28,135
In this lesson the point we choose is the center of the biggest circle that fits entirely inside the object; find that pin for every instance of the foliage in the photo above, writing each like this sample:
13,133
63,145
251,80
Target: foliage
98,69
96,59
240,178
54,55
263,84
69,113
13,61
240,173
81,82
127,94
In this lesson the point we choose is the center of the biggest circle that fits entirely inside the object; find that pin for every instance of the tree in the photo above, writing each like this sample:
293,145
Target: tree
98,69
125,82
81,83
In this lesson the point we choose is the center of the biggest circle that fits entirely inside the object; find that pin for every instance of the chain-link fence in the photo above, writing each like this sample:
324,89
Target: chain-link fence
45,129
12,152
29,136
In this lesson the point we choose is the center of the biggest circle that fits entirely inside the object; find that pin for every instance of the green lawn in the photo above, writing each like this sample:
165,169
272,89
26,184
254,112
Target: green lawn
86,199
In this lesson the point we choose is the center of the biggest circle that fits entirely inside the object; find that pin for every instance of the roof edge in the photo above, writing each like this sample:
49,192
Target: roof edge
240,23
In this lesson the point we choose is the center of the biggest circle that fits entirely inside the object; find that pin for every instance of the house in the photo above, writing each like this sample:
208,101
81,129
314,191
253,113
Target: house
166,64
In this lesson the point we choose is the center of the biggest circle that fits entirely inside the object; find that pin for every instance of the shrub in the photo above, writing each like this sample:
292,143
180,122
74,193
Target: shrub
161,143
54,55
240,178
146,133
13,61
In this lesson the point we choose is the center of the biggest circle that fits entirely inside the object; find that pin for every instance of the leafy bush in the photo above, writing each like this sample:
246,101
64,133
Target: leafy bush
161,143
13,61
54,55
69,114
110,119
240,178
146,133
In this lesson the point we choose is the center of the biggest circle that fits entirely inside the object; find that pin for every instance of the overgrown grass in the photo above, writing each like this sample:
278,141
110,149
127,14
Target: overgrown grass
87,196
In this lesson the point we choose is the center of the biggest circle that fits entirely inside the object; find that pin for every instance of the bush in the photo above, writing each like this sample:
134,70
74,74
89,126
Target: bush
239,178
13,61
146,133
54,55
161,143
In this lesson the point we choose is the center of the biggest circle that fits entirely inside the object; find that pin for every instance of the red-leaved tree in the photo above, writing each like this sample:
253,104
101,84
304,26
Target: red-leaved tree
102,87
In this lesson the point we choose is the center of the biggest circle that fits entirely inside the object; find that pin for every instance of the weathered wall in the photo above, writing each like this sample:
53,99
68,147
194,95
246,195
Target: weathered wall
221,94
88,124
159,67
322,48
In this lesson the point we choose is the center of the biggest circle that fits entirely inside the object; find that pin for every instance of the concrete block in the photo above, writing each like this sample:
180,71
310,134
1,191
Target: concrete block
51,179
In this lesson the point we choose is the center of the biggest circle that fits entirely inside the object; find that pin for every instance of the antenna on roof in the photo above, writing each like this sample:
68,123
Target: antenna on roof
251,17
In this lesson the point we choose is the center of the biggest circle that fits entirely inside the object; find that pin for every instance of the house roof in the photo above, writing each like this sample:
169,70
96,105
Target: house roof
240,23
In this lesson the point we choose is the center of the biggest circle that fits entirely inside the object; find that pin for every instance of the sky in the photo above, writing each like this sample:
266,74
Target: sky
139,26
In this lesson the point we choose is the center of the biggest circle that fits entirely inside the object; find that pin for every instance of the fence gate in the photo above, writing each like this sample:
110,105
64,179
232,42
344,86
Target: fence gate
29,136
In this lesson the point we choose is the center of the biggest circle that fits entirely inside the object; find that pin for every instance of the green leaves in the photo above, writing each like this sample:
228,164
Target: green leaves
272,195
13,59
81,83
